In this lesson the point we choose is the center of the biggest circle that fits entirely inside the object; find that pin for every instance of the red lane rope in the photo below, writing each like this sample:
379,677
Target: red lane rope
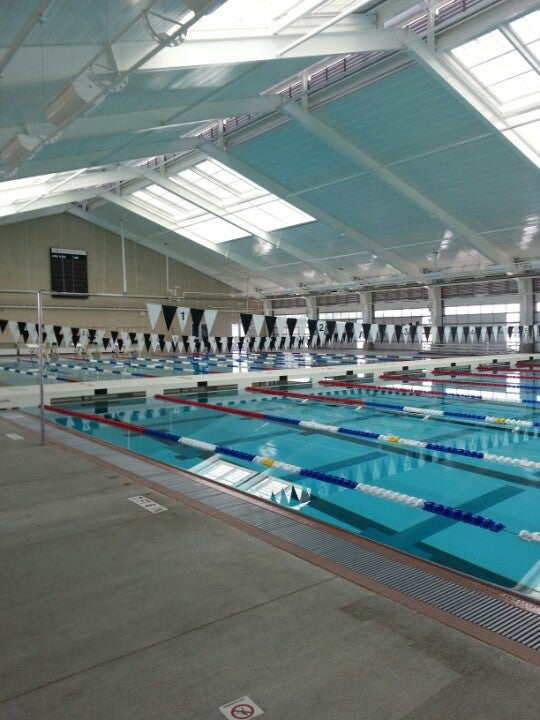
482,375
96,418
307,396
209,406
478,385
362,386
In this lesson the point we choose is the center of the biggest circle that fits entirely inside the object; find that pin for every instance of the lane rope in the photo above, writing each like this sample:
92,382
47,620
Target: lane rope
427,505
476,454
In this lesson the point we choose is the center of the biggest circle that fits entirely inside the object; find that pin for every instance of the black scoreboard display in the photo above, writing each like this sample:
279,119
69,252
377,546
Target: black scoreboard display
69,274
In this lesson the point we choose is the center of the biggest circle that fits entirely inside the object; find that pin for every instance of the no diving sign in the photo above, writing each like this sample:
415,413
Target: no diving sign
241,709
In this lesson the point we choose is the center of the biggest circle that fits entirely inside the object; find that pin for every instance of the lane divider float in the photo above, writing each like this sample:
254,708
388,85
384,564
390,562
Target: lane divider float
421,444
427,505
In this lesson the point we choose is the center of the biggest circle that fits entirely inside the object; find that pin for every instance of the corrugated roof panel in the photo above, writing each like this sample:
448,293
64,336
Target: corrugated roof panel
292,157
404,115
486,184
377,211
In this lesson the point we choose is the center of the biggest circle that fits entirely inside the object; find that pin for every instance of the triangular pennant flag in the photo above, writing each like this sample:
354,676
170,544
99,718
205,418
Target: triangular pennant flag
120,343
183,314
301,326
291,324
3,325
390,330
14,330
31,330
427,332
373,332
460,335
196,317
114,335
168,347
453,332
210,319
366,327
240,343
413,332
153,311
382,332
75,335
340,329
161,342
330,328
281,322
270,323
169,311
245,319
258,323
147,342
510,331
132,337
312,327
349,331
229,343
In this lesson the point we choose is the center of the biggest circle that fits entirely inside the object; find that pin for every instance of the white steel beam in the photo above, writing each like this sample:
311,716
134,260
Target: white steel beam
354,154
201,52
49,201
388,256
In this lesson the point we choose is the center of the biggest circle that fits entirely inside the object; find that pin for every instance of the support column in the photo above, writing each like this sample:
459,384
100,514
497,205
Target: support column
436,305
311,307
366,306
526,311
267,306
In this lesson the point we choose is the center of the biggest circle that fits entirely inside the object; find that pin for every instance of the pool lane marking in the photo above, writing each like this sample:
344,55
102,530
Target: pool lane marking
401,498
429,412
446,381
379,437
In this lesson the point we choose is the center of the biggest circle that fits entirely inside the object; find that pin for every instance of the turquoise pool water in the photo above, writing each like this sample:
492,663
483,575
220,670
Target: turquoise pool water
505,492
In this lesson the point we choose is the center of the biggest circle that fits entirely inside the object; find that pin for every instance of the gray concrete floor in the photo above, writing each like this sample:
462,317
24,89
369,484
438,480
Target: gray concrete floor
108,612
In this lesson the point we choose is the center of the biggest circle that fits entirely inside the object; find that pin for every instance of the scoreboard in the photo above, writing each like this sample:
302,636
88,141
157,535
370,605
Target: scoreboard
69,273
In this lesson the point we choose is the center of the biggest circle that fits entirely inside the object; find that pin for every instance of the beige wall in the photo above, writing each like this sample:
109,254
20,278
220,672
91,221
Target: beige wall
25,266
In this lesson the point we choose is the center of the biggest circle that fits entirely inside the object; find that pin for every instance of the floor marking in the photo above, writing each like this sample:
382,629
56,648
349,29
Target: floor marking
147,504
242,708
14,436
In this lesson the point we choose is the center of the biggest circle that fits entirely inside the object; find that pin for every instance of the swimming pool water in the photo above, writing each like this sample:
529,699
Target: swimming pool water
503,492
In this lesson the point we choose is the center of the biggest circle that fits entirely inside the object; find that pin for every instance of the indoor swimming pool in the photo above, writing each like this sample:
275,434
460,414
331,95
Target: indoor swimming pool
71,369
446,473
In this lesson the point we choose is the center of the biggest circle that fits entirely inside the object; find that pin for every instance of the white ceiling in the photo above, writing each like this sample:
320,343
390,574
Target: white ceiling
404,135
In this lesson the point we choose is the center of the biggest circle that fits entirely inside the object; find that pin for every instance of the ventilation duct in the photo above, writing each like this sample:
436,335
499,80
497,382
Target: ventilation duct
18,149
72,100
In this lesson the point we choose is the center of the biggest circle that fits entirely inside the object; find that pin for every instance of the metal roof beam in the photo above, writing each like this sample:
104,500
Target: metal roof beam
354,154
356,38
388,256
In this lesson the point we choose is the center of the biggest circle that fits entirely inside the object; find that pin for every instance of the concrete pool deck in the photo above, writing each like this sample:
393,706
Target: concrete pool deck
111,611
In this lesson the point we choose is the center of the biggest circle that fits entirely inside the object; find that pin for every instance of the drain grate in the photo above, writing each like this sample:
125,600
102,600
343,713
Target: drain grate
518,624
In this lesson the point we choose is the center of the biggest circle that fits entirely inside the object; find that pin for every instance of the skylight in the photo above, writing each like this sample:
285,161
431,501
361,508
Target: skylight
498,65
505,63
229,206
